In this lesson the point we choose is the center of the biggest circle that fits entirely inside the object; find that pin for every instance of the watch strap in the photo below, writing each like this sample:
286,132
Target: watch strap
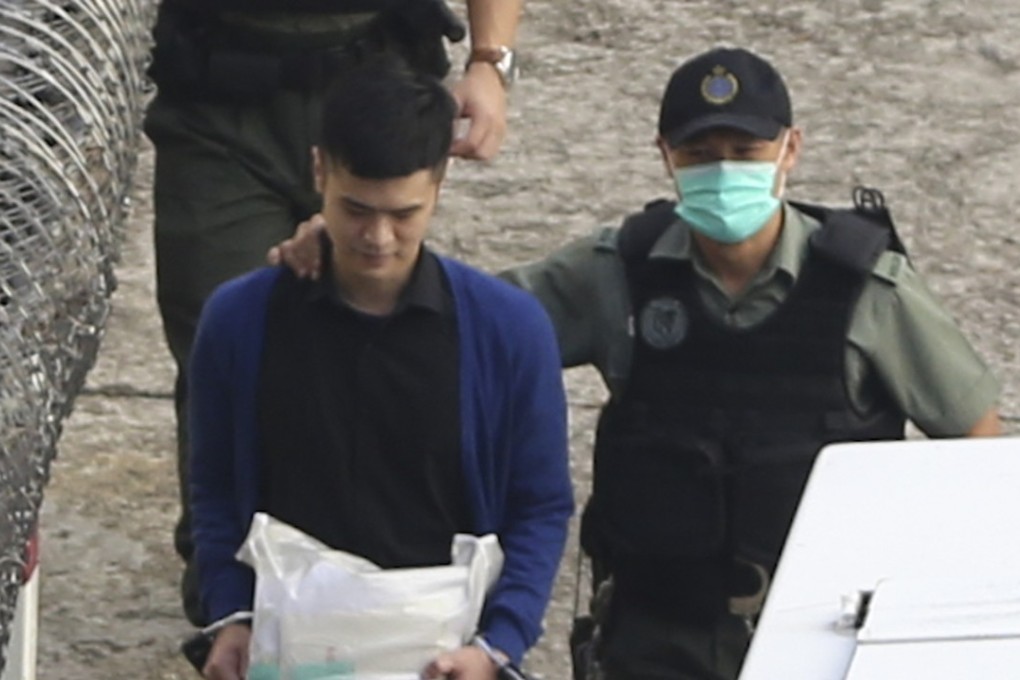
489,55
500,57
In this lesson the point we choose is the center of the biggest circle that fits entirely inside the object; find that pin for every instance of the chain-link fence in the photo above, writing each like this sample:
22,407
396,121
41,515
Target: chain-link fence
71,90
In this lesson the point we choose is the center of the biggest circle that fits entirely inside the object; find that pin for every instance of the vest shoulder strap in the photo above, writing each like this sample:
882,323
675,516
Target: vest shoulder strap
848,239
854,237
641,230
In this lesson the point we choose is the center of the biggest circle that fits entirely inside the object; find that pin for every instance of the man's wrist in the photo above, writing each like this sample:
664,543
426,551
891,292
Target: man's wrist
497,657
501,59
482,66
243,617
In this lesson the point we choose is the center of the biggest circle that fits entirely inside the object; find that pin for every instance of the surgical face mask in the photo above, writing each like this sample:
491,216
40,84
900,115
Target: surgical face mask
729,201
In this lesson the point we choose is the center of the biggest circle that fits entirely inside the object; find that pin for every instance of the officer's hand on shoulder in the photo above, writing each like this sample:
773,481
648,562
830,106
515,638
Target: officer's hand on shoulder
302,252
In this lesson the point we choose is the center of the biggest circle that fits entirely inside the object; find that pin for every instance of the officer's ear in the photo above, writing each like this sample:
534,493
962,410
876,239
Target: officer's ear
667,156
794,142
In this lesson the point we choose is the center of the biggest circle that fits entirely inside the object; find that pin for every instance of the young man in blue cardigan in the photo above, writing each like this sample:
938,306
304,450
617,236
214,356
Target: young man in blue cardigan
399,399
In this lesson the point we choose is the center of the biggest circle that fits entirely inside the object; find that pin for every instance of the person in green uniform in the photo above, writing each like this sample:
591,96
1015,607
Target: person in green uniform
738,333
240,86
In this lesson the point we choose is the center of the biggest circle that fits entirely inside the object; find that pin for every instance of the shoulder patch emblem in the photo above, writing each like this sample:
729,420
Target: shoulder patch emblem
663,323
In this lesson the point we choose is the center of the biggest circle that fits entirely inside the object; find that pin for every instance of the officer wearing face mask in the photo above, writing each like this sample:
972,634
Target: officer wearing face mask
738,333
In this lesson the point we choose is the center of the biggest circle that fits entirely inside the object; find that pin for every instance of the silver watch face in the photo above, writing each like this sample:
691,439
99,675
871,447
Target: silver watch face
507,66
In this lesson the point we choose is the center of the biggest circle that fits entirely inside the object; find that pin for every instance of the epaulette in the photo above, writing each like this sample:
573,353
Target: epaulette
890,266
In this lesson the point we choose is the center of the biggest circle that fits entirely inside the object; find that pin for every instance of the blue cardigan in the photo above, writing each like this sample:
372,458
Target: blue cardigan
513,439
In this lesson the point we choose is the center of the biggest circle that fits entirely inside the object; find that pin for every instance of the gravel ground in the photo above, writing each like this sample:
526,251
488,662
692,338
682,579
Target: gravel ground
917,97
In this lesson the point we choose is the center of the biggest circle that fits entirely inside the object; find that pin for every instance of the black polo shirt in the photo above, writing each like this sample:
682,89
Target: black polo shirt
359,419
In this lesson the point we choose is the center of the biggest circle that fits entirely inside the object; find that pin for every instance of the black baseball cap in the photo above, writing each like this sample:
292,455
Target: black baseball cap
724,88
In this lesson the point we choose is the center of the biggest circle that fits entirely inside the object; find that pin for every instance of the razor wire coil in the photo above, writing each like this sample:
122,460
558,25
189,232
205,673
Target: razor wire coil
71,93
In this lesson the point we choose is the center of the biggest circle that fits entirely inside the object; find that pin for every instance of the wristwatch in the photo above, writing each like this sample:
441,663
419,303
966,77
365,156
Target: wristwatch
502,58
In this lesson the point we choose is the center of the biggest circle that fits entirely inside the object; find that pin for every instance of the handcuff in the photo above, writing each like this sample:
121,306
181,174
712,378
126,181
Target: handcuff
505,669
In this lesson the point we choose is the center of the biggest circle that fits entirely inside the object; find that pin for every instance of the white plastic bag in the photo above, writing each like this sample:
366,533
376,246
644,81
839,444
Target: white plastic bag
323,614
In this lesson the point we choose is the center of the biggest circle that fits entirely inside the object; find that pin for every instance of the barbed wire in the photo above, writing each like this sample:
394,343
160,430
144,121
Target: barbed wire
71,92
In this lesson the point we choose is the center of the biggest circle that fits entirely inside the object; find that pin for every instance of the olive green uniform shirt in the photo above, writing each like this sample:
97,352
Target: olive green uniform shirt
901,340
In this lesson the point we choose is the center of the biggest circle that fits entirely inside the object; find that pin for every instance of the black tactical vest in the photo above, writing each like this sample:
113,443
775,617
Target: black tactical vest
200,55
707,450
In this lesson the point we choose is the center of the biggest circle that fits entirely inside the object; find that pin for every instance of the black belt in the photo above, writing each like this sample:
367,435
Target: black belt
695,589
249,32
242,74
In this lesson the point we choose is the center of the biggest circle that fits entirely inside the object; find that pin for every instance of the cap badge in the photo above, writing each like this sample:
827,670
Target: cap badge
720,86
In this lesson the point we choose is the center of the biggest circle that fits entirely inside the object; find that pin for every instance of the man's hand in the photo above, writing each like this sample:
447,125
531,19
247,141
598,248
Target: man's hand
302,252
228,659
481,99
466,663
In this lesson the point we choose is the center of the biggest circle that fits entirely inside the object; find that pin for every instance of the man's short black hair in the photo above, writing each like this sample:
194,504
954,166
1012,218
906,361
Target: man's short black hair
381,121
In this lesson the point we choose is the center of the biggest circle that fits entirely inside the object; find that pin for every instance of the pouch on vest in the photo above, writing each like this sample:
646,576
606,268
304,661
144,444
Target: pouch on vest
178,60
658,496
769,491
418,26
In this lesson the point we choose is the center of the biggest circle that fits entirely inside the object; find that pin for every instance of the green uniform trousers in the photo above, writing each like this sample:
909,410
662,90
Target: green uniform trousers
230,182
639,643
